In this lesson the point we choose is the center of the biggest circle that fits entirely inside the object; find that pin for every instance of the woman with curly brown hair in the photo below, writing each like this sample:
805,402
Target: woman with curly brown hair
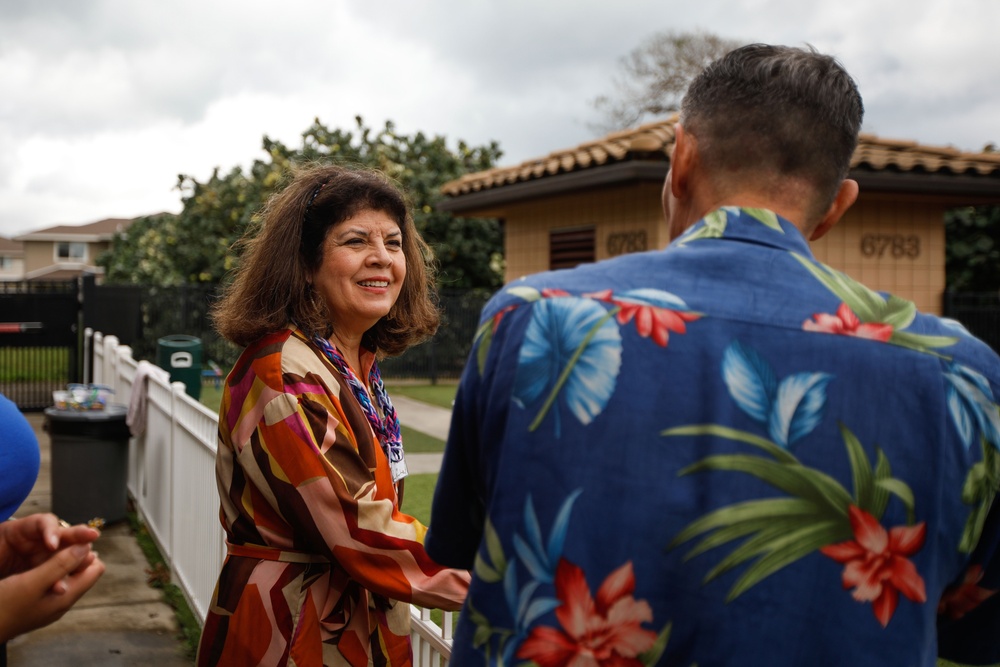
310,462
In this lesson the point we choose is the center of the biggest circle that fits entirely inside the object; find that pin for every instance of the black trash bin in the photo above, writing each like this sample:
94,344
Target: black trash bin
181,356
89,463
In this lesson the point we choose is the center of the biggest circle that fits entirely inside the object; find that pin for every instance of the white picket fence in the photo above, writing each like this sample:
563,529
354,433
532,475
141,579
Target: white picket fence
171,477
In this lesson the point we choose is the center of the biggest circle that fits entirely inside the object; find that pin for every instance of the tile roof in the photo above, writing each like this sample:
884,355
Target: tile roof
655,141
11,247
106,226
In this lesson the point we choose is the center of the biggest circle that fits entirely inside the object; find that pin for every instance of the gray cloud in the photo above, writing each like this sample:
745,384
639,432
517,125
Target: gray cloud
105,101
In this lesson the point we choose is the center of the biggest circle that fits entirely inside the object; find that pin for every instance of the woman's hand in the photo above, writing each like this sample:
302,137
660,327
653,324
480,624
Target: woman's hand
45,568
28,542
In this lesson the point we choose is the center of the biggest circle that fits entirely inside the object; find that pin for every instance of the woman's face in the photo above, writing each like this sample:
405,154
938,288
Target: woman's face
362,270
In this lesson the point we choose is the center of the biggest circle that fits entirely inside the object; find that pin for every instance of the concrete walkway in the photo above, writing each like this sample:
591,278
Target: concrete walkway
123,621
429,419
120,621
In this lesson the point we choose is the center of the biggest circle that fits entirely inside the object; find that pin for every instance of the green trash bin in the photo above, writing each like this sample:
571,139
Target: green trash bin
89,463
181,356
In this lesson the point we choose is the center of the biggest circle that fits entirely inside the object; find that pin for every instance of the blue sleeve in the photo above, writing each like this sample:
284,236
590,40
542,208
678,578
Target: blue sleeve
969,611
459,508
19,458
969,614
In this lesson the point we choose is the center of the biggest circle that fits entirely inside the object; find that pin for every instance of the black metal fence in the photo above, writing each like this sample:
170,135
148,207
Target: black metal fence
39,341
51,351
185,310
444,355
979,312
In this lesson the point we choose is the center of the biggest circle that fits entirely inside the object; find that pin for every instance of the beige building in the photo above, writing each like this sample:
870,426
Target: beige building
602,199
11,259
66,251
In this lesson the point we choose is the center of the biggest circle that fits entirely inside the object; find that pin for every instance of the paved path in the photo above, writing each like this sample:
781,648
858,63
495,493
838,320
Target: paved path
120,621
429,419
423,417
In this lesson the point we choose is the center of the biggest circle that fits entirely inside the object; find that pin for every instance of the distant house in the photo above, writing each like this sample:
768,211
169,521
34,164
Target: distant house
67,251
11,259
602,198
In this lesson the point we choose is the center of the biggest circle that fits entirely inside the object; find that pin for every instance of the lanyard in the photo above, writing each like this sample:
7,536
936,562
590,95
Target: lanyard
387,427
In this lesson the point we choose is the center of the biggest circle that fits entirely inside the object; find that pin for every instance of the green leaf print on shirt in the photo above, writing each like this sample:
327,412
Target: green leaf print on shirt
714,227
817,514
871,308
979,490
769,218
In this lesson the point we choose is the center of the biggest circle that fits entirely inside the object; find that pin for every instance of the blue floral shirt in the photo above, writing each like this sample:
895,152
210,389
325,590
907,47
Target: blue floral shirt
721,453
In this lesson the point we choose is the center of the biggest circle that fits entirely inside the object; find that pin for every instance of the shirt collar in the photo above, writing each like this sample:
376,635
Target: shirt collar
751,225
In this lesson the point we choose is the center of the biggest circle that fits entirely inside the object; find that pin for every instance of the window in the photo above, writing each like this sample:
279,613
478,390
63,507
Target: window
569,247
71,251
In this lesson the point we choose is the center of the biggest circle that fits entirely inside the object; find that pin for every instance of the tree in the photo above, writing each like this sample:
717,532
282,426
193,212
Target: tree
194,245
972,249
654,76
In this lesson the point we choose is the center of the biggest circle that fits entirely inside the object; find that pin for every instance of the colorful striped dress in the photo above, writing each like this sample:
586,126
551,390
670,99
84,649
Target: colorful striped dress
321,561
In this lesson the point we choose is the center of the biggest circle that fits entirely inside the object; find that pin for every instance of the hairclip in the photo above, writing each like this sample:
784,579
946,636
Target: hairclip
312,198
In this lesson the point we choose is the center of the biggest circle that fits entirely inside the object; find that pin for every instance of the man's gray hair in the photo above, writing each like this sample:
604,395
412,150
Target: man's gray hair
779,111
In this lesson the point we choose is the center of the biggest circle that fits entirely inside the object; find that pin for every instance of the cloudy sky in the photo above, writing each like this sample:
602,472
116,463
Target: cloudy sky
104,102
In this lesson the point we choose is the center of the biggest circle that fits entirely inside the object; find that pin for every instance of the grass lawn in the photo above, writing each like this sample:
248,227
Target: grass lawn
211,396
415,442
418,491
436,394
26,364
441,395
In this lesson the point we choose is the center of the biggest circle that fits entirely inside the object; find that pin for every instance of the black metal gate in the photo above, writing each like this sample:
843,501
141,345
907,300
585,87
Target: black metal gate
39,341
979,312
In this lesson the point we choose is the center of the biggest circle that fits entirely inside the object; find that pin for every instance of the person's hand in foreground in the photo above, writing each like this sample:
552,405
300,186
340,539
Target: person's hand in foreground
45,567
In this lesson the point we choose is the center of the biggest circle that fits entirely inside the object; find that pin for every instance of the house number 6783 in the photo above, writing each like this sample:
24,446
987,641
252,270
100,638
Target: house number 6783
896,246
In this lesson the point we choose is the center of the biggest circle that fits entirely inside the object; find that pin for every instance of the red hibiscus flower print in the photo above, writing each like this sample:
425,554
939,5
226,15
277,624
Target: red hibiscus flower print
846,323
651,321
499,316
604,631
963,598
876,564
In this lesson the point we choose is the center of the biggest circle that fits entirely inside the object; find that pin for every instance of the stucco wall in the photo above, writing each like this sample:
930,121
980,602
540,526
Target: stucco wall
891,245
37,254
623,217
13,272
888,243
41,254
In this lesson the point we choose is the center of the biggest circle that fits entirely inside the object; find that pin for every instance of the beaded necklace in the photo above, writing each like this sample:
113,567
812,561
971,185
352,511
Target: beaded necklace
387,427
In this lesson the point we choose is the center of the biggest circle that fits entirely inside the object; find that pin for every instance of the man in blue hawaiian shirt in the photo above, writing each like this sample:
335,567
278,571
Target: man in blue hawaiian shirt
725,452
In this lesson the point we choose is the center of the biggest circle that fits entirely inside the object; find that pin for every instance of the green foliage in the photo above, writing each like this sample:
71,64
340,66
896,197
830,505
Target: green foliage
194,245
972,249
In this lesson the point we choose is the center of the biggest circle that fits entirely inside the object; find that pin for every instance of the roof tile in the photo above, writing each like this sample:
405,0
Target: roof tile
656,140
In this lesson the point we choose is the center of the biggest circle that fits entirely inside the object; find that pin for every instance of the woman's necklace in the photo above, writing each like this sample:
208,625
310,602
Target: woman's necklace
386,427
